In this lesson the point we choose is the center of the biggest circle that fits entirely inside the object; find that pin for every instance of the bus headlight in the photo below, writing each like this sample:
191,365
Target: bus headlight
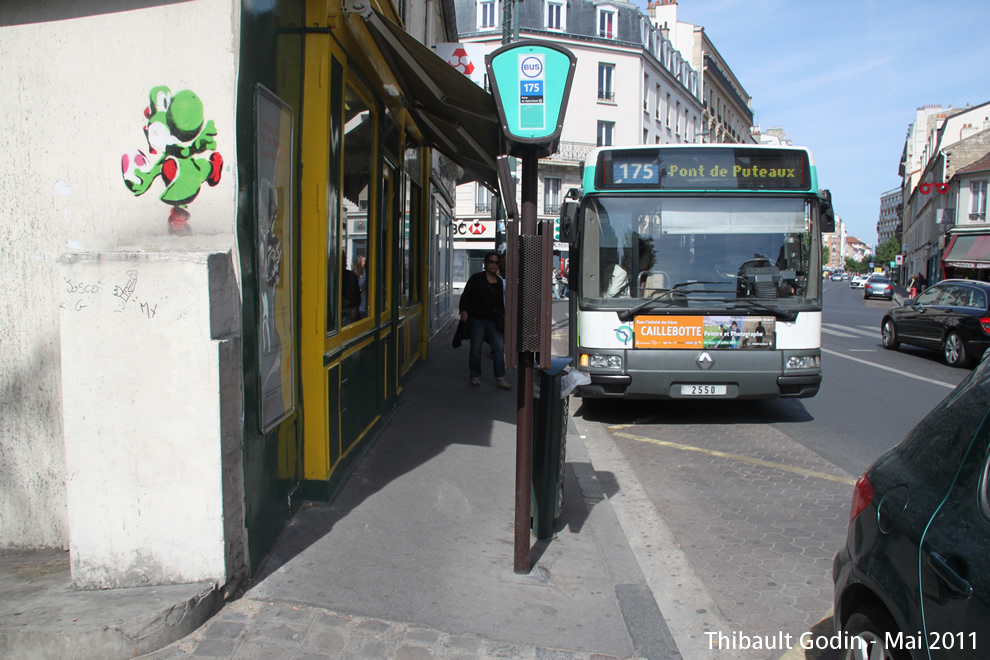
804,362
599,361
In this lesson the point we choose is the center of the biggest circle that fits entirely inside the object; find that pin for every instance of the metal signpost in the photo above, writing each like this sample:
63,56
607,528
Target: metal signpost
531,82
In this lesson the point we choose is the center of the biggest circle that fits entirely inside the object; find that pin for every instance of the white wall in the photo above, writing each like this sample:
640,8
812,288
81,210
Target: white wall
143,337
75,94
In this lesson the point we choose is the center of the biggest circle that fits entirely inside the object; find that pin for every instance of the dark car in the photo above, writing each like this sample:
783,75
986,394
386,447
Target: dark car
878,286
914,575
951,316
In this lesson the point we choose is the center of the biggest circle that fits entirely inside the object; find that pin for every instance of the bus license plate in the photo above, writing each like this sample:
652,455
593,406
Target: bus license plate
703,390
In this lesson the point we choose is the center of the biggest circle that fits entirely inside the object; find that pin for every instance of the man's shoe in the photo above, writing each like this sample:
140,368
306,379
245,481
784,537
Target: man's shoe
501,383
476,381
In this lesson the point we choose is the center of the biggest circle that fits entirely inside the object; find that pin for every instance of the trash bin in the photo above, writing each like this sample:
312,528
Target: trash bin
549,437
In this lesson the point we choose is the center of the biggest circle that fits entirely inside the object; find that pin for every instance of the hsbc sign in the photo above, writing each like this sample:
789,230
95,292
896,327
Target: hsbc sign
474,229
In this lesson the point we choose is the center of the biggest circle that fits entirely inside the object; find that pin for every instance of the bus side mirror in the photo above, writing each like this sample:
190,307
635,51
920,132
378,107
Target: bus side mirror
826,212
568,215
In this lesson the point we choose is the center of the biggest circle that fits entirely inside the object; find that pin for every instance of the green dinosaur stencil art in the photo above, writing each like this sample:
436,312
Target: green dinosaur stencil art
178,142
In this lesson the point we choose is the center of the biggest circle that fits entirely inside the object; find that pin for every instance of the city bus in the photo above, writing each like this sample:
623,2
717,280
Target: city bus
695,272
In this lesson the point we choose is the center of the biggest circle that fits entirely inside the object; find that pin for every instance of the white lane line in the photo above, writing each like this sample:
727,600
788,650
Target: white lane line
873,333
885,368
829,331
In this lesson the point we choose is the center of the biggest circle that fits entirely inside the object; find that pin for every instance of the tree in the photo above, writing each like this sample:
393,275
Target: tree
887,251
857,265
826,255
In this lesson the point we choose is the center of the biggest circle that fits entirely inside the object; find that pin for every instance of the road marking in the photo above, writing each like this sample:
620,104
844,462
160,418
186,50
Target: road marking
885,368
872,333
683,598
614,430
829,331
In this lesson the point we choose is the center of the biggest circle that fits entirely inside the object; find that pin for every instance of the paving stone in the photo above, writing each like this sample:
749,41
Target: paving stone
215,648
407,652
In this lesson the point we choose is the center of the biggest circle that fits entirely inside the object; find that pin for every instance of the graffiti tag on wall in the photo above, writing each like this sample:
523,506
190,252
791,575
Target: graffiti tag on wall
179,139
83,294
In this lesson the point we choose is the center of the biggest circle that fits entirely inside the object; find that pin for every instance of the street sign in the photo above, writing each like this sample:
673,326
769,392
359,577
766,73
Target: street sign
531,81
899,259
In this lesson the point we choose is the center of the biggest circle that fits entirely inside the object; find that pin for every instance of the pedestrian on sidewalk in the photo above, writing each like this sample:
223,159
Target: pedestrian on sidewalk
482,306
917,284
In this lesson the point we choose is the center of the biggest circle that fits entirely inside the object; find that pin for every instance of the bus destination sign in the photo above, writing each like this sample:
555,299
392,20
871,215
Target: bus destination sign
738,168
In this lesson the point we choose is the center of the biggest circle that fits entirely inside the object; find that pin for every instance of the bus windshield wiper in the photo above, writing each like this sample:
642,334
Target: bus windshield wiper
627,315
779,314
691,282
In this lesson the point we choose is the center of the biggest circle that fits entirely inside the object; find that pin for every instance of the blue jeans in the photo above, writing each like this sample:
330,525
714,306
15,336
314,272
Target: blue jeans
480,331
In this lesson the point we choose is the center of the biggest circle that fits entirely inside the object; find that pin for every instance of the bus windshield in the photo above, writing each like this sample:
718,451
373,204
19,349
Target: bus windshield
695,251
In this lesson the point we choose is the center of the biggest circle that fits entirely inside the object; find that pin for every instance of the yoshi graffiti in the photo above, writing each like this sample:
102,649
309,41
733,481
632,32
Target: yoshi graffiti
181,151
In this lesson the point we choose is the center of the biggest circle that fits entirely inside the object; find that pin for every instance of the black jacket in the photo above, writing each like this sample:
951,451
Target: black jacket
482,301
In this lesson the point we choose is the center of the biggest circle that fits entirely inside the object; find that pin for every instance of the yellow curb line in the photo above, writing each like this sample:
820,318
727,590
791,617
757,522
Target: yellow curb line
735,457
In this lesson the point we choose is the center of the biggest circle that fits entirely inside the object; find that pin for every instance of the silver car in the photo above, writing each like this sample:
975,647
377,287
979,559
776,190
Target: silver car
878,286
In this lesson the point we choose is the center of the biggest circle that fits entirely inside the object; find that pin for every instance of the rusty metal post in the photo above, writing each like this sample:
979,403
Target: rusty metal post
524,401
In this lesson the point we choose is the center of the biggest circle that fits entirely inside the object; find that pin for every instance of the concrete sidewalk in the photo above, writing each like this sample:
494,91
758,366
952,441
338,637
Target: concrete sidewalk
412,560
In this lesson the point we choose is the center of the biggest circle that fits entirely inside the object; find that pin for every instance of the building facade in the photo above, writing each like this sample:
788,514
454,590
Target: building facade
939,143
728,116
644,92
836,244
889,222
211,252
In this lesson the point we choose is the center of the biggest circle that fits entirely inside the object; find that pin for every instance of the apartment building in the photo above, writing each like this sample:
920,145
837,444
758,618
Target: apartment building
631,86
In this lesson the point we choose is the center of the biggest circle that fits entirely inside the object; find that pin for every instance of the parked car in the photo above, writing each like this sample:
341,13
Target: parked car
914,574
878,286
858,281
951,316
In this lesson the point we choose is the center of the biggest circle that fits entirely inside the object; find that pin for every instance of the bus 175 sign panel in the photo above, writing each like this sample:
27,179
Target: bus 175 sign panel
715,169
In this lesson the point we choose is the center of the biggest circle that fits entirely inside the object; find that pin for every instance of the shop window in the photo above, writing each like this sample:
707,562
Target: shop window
333,197
358,159
412,231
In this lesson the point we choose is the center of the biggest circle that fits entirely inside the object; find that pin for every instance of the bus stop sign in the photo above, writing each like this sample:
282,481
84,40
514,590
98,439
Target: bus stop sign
531,81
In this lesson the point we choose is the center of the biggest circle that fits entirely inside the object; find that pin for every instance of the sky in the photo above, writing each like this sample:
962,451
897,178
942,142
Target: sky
844,78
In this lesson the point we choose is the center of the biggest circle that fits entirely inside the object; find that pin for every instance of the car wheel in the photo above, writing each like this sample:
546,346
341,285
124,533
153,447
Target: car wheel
870,623
888,335
955,351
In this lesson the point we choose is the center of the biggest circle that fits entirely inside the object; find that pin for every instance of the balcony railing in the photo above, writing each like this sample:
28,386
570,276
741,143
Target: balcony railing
551,209
606,96
483,207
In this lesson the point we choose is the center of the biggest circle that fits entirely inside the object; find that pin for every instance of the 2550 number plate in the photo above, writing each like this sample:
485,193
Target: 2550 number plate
703,390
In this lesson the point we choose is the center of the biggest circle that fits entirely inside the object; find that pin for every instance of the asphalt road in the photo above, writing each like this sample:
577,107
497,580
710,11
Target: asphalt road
756,495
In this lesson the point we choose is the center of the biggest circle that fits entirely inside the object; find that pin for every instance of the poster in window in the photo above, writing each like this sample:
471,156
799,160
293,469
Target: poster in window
274,213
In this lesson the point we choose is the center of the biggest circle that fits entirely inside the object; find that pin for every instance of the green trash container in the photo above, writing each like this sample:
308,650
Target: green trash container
549,437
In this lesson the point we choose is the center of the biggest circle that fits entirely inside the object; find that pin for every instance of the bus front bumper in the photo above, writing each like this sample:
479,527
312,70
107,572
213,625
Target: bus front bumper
657,386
